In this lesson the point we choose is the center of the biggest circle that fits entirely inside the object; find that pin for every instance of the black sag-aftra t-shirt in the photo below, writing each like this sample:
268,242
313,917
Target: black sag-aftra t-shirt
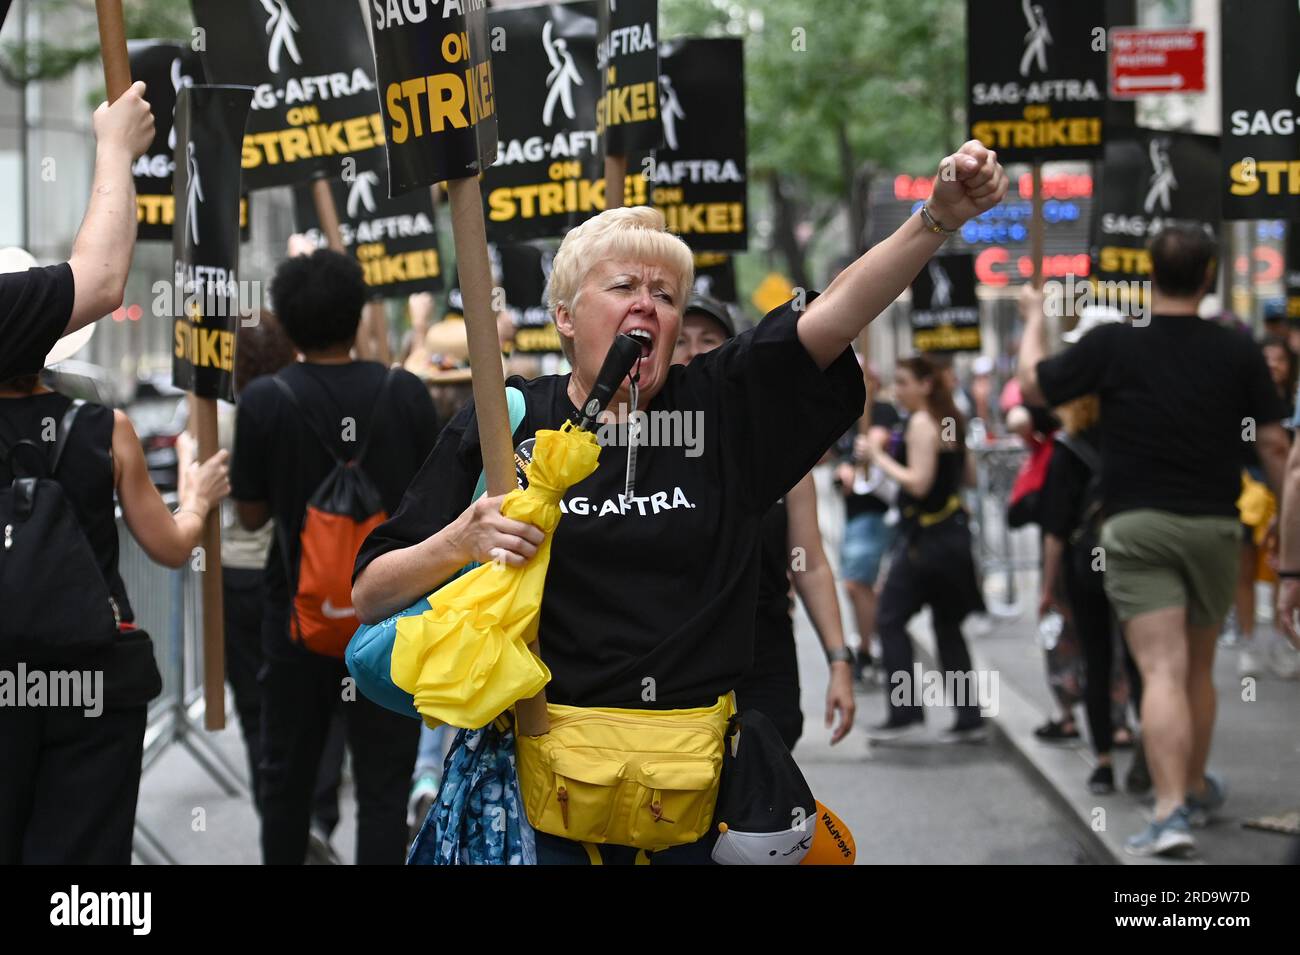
650,600
1176,397
279,460
35,307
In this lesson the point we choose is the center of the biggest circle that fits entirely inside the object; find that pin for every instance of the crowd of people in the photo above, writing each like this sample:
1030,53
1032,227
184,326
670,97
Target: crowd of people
1158,512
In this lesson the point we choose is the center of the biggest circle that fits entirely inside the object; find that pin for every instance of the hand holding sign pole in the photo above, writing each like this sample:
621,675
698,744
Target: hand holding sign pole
205,241
439,111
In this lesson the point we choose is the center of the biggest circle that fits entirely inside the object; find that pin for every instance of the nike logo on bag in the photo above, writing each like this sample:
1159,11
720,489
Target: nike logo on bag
336,613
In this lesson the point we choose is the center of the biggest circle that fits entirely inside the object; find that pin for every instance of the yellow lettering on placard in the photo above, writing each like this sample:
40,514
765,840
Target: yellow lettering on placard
315,140
424,105
704,218
1118,259
1038,133
946,338
558,198
626,104
204,347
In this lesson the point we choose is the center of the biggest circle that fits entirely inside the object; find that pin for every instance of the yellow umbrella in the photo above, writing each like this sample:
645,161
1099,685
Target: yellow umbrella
466,660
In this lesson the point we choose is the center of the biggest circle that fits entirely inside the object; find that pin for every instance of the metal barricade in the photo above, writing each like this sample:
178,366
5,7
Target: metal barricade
167,605
1001,552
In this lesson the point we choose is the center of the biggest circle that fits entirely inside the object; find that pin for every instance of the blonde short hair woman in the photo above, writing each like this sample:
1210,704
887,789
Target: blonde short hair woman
651,592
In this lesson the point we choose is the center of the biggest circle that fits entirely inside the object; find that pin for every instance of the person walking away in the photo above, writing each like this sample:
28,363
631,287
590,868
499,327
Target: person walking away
291,430
1070,512
932,563
1176,393
71,774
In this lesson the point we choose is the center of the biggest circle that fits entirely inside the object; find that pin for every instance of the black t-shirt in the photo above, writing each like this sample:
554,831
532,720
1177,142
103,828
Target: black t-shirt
1065,489
773,580
883,415
650,602
35,307
279,460
1174,396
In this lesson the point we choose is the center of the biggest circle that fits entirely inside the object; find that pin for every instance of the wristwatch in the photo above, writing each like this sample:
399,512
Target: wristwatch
840,655
932,223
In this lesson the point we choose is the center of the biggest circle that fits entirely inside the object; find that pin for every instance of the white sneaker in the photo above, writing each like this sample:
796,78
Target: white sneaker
1283,659
1248,661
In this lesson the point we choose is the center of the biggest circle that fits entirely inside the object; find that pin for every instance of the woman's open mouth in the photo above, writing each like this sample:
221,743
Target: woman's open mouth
645,338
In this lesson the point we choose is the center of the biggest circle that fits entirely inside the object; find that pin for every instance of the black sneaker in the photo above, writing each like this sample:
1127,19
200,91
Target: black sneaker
966,733
890,731
1054,731
1102,781
1138,780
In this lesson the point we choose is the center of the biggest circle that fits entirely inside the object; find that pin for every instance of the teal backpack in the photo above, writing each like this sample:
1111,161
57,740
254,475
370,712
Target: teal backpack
369,655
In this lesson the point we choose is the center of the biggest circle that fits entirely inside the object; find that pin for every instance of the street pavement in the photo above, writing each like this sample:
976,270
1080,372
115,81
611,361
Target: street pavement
1256,749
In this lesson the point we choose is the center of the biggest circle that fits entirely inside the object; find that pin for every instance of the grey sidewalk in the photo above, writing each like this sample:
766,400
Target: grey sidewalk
1256,749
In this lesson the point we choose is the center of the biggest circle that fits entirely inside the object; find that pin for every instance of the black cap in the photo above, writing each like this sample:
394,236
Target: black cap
712,308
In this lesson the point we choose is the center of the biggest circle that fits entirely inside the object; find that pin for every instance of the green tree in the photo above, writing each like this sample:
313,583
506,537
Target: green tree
57,54
838,91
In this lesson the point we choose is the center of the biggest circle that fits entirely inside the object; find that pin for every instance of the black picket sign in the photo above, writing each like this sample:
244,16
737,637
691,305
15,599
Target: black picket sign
715,276
550,174
1037,78
208,297
315,110
525,269
945,312
699,177
1150,180
165,67
436,89
394,239
627,56
1261,109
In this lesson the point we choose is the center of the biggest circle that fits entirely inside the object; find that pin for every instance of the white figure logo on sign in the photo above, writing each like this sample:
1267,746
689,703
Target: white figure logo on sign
362,193
560,81
671,110
1037,39
1162,178
193,192
281,27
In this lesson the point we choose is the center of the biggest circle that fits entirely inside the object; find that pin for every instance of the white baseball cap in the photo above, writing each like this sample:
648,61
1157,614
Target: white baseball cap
1089,318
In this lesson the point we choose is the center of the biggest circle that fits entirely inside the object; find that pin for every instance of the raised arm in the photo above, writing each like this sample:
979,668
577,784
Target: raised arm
1033,344
167,538
970,182
101,253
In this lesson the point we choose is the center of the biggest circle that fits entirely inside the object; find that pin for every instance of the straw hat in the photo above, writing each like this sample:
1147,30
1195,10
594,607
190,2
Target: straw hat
14,259
444,359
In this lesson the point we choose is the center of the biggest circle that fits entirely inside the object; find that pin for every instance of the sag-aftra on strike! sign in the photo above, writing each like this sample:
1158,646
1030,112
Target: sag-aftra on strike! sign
1037,78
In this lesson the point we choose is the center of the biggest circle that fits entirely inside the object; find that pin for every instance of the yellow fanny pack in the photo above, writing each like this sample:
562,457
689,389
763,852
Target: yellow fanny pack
644,778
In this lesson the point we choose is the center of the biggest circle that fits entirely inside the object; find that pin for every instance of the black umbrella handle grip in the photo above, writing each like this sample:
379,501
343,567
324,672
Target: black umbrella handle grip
622,355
